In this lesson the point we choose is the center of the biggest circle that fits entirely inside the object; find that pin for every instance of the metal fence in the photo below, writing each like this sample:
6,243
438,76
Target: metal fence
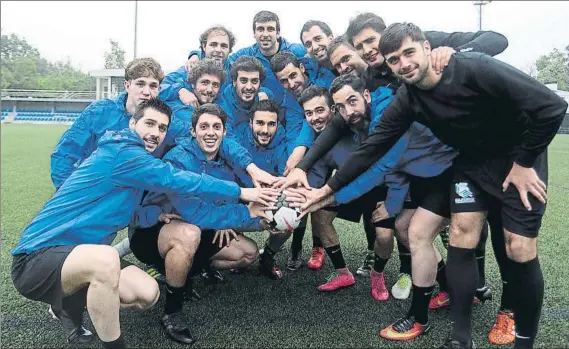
47,94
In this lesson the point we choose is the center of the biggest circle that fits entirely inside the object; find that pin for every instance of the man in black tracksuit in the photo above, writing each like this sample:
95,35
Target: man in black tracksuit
501,121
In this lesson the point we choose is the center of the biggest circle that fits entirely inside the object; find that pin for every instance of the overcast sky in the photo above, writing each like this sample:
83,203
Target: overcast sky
168,30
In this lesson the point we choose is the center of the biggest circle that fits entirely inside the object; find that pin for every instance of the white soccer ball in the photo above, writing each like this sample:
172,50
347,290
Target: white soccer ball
284,217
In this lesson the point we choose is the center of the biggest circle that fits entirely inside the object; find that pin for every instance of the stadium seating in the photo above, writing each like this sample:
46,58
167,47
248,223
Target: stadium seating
46,116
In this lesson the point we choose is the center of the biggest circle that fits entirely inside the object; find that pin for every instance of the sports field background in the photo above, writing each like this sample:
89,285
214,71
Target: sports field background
253,311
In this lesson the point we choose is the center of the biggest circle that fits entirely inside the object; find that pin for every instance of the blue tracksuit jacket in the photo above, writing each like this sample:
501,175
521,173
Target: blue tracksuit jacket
100,197
211,213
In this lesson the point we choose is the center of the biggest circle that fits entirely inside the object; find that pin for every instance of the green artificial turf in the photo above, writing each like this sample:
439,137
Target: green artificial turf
249,310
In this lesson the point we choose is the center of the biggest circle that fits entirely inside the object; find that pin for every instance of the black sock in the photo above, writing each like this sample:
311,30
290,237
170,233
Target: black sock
420,304
316,242
268,253
462,276
370,231
116,344
442,276
527,280
499,248
379,264
296,244
404,259
174,299
506,302
480,256
336,256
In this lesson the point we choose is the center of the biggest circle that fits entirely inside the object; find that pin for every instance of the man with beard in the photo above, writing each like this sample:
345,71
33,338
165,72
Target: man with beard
364,112
295,75
203,235
501,122
420,161
266,30
63,258
248,74
215,43
364,33
206,77
316,36
268,149
346,60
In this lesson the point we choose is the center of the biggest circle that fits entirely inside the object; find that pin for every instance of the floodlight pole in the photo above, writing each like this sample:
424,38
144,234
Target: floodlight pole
135,25
480,4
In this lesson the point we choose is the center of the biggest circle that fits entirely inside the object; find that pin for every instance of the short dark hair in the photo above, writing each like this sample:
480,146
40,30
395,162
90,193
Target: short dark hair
394,35
313,92
206,66
337,42
152,103
364,21
356,83
144,67
268,105
266,16
208,108
218,28
323,26
248,64
282,59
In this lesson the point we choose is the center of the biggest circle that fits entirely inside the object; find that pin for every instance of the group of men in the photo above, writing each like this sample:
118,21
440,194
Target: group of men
410,130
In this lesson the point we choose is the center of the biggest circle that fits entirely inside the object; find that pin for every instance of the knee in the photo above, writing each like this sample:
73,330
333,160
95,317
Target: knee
187,239
417,238
464,232
402,226
250,253
107,266
383,235
149,296
520,248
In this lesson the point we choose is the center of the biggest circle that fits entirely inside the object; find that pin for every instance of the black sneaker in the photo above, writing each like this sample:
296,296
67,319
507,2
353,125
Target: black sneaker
76,333
212,276
269,268
177,328
482,295
190,294
452,344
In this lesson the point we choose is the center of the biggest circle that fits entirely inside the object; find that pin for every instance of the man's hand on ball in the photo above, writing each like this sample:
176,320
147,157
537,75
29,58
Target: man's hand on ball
258,210
263,196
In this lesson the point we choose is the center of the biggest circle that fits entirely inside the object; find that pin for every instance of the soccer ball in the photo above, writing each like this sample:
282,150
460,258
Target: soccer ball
283,217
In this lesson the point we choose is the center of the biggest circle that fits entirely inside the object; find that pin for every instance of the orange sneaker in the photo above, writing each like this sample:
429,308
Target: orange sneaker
439,301
337,281
317,259
378,290
503,330
404,329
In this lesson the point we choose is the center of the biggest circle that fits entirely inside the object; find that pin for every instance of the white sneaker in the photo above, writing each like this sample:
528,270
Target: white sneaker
402,287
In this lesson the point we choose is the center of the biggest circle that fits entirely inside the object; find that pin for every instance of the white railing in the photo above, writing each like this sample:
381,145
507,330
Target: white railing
8,93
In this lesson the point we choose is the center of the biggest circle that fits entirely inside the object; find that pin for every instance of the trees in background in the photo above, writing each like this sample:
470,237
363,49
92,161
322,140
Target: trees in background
22,67
554,67
115,58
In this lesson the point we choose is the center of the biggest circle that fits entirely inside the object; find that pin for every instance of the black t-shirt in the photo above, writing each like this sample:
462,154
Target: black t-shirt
481,106
488,42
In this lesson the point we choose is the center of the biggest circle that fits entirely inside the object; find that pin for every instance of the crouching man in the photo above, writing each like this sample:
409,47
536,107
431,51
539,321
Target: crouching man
205,235
63,257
